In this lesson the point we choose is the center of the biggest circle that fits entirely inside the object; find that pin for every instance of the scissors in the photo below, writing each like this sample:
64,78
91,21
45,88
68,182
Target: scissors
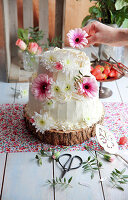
70,160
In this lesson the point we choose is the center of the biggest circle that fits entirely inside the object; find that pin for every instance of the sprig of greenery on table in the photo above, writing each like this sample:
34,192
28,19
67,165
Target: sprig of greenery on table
62,182
52,154
91,165
118,178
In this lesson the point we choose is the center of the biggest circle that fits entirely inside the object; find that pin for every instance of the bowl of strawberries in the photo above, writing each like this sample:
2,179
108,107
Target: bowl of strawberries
106,71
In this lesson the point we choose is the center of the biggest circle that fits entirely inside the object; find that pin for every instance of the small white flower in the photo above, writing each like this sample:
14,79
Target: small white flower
42,122
49,104
87,120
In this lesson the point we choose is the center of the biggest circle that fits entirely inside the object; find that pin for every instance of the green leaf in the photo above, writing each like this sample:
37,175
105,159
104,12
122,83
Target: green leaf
92,175
123,171
85,20
92,160
40,161
70,179
89,158
122,182
112,179
95,168
125,176
64,180
120,188
117,171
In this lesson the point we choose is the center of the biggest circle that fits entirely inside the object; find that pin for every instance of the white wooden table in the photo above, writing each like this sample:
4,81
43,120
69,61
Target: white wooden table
22,179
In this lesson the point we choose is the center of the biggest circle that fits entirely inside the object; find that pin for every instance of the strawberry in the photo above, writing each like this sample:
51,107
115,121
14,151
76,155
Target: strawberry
123,140
106,70
101,76
96,71
113,73
100,67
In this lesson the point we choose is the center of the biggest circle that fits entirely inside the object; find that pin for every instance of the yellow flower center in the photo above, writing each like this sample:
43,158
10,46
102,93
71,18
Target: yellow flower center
68,87
49,103
57,89
42,122
52,59
67,61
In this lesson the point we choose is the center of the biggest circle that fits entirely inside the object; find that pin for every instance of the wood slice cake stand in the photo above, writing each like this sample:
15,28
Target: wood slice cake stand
65,138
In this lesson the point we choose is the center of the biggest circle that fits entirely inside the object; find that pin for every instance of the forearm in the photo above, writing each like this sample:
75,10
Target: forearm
120,37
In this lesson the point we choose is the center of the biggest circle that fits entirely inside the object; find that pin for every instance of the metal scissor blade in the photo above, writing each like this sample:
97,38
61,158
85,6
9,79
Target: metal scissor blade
63,173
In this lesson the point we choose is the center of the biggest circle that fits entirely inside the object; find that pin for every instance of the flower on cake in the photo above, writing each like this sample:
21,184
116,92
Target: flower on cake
77,38
41,87
56,88
49,104
87,86
58,66
42,122
68,89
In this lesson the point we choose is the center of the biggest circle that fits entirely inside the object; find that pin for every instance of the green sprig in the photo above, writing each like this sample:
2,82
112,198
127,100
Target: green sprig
91,164
117,178
62,182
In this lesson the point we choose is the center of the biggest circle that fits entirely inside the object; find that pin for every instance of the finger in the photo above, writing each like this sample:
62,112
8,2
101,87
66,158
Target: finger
92,40
90,29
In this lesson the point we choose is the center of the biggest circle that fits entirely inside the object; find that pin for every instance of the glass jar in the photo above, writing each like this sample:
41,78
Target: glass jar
30,62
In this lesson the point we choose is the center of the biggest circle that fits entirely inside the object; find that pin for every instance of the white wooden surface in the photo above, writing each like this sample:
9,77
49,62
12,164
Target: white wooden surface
24,179
118,163
92,189
2,163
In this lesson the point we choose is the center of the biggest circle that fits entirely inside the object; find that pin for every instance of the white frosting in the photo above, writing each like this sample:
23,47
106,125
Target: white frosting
68,110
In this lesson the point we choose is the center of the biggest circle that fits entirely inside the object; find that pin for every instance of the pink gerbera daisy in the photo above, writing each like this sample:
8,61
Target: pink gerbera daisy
41,87
77,38
88,87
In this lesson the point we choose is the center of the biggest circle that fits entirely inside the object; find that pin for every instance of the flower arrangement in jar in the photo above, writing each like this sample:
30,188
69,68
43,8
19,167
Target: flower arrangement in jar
29,43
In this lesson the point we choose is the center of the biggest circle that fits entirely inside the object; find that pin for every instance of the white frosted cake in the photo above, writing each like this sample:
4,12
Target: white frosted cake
63,106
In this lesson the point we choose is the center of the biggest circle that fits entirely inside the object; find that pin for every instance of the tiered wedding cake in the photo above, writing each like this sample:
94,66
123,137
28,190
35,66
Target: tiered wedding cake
63,106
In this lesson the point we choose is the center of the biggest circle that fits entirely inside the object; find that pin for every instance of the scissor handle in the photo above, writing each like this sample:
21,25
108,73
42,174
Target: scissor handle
70,158
63,155
79,158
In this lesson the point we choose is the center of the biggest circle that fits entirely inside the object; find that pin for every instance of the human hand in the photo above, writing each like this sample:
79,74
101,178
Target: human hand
101,33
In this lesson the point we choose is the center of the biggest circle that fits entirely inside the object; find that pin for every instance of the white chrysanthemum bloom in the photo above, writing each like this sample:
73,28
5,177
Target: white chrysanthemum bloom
67,89
49,104
49,60
42,122
56,88
87,120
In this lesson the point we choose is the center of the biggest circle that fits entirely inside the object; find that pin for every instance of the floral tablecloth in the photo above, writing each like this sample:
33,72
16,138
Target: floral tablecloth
14,137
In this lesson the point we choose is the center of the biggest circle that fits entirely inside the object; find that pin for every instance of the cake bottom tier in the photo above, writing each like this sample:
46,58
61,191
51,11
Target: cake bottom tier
65,138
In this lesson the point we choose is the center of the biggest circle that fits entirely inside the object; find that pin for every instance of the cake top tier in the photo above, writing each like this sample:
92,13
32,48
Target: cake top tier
65,60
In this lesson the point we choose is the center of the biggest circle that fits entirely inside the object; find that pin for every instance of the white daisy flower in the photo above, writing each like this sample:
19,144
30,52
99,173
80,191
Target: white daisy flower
42,122
49,104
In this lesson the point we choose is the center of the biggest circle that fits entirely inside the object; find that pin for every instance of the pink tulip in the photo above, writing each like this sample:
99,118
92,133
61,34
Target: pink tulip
21,44
33,47
39,50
